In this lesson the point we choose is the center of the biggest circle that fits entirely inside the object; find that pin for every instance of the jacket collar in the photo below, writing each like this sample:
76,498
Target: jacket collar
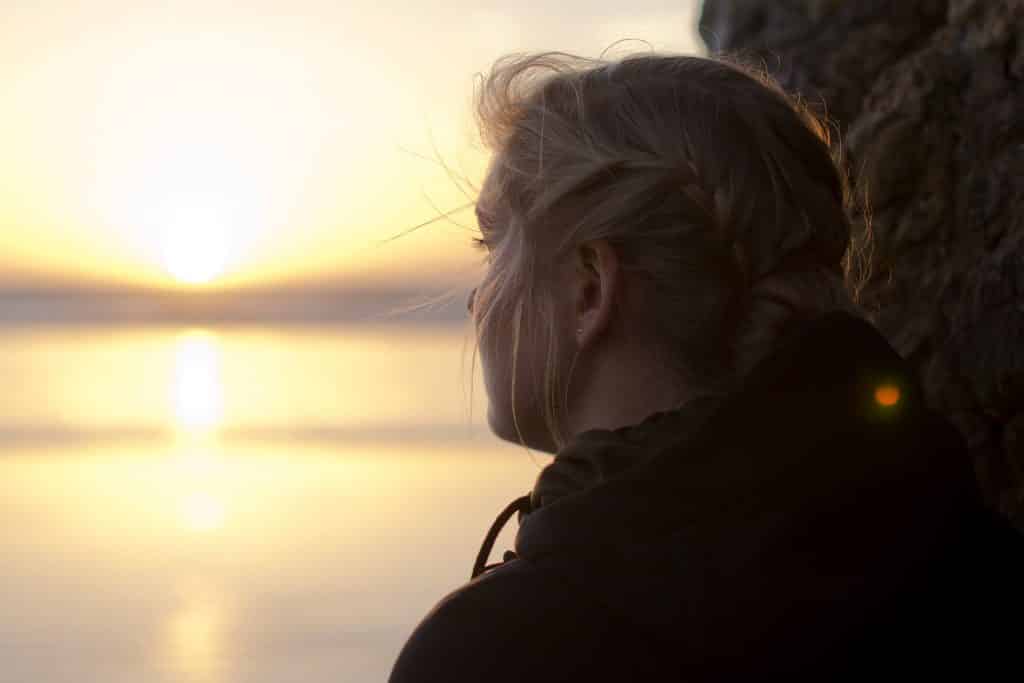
766,523
748,453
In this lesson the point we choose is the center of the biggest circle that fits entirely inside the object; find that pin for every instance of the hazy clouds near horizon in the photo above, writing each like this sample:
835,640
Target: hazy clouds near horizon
152,142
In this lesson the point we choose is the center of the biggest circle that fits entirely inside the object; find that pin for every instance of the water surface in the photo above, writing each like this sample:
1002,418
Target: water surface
242,504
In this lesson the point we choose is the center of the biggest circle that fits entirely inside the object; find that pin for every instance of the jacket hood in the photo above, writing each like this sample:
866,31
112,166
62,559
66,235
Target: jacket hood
817,488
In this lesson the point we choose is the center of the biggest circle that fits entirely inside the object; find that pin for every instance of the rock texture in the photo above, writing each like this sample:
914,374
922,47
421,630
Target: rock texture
929,97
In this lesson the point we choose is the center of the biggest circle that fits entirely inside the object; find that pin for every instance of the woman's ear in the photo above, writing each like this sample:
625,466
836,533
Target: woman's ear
596,284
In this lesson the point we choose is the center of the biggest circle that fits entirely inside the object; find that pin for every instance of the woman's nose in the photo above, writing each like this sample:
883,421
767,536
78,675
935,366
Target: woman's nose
469,303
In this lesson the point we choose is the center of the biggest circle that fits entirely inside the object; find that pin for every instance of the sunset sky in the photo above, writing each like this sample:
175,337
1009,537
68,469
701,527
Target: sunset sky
207,141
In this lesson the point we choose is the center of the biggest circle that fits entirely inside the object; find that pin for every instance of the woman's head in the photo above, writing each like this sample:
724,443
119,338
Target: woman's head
714,193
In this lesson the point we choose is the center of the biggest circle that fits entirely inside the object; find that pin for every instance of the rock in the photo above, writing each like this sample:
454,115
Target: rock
929,99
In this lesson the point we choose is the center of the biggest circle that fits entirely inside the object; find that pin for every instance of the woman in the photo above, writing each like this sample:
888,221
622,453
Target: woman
747,481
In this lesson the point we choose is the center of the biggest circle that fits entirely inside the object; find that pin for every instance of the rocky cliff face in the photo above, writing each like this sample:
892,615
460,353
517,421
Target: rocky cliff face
929,96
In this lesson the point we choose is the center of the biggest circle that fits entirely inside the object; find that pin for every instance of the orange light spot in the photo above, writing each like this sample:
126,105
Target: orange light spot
887,395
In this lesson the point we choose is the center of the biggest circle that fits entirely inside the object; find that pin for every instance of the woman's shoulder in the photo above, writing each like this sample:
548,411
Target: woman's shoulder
515,622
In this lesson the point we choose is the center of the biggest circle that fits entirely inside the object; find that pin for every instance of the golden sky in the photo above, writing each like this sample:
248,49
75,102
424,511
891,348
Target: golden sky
237,143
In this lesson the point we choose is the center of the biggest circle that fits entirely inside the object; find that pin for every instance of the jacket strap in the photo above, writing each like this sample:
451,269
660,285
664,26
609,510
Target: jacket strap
521,503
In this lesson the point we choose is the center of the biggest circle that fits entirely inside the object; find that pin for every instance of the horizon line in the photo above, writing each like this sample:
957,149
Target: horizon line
328,303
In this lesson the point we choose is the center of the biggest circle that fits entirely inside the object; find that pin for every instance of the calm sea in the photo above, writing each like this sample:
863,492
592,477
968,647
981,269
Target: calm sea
246,504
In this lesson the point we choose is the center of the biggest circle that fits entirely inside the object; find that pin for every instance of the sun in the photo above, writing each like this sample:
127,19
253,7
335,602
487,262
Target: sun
195,250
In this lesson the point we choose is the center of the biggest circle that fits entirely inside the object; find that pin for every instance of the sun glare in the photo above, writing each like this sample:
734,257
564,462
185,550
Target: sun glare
195,251
202,145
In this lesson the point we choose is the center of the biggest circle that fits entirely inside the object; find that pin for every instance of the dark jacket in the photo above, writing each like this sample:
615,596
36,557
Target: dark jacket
812,524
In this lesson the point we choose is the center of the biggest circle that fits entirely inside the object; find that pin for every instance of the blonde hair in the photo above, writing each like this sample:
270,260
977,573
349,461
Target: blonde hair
720,193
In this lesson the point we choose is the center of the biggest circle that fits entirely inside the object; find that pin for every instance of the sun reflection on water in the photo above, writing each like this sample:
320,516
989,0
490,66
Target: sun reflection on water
198,473
198,401
202,511
198,388
195,637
